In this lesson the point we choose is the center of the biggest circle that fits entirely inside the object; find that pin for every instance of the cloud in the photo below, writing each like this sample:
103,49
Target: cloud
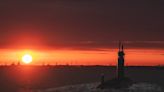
82,24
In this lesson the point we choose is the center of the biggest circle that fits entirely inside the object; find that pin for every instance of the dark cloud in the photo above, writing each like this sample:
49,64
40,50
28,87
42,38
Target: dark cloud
81,23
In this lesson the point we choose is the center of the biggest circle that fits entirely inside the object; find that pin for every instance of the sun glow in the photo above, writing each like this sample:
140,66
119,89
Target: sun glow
27,58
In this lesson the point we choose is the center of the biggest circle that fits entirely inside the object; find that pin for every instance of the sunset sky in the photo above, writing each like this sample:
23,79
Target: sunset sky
82,31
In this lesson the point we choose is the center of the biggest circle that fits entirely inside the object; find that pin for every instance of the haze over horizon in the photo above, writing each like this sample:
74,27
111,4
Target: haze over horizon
80,26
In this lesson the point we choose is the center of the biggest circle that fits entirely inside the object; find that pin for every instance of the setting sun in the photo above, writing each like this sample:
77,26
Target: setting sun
27,58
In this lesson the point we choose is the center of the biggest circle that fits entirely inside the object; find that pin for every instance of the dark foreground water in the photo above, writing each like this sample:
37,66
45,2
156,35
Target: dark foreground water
27,78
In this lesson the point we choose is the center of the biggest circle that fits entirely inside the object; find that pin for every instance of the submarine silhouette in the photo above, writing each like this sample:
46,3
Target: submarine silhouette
120,81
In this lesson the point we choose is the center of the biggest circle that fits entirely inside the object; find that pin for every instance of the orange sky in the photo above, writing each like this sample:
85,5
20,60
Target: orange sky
74,31
84,57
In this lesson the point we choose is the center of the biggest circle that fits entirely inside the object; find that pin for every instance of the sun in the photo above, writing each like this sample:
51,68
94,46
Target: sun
27,58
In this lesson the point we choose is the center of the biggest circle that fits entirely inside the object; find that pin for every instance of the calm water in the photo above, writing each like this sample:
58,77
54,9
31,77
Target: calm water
24,78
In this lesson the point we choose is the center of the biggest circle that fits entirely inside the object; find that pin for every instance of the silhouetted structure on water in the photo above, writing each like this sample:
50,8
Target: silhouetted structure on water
120,64
120,80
